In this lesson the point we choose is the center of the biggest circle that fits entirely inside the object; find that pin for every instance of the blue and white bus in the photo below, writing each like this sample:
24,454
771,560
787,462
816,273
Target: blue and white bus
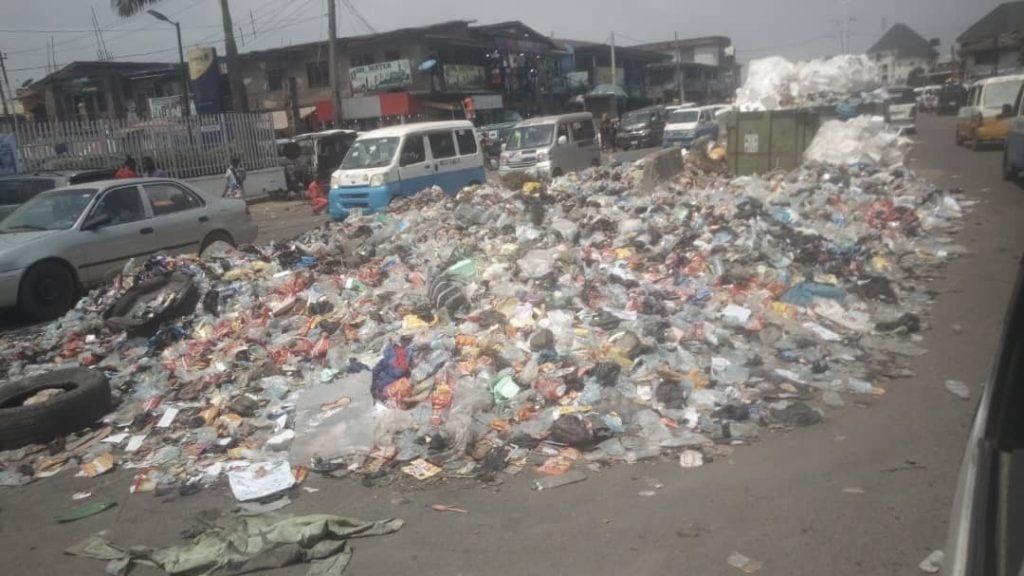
402,161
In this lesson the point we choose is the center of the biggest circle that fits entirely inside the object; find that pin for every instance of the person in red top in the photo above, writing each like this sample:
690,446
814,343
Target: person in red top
128,169
317,198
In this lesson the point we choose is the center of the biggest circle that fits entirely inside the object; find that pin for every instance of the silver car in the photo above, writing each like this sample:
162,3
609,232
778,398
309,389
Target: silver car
69,239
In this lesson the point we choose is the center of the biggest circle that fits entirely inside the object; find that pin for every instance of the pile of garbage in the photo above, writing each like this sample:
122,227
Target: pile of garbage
859,140
550,328
775,83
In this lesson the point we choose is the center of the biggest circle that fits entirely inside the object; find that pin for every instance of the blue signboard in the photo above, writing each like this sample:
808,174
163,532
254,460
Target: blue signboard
204,76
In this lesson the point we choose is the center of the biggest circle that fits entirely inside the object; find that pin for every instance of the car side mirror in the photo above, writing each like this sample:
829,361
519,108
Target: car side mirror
95,221
562,141
1007,111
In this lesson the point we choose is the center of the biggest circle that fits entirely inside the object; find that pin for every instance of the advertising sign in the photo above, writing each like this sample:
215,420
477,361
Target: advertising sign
459,77
168,106
578,80
204,81
392,75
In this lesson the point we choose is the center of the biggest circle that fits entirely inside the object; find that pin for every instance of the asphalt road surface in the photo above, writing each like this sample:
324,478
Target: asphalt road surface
780,501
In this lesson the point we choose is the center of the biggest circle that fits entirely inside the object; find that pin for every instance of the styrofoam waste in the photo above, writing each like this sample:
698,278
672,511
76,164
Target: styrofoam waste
775,83
864,139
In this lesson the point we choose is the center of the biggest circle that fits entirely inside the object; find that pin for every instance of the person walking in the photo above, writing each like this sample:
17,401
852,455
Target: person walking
127,170
149,169
234,185
317,198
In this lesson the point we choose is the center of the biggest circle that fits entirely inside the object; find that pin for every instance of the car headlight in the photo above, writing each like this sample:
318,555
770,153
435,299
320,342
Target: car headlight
377,180
542,156
336,180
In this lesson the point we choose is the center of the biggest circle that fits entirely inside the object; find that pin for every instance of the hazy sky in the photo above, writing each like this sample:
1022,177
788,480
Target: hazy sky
792,28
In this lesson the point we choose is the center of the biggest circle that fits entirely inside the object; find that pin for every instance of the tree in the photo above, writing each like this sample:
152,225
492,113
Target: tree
240,103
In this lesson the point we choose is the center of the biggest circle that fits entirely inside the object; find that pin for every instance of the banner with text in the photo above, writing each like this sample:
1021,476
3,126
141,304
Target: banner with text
459,77
393,75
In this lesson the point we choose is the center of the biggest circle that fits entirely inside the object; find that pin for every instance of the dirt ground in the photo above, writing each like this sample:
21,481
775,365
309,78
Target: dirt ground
865,492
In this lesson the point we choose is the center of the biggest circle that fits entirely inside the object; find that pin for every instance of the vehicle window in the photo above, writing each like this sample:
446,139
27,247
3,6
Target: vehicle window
413,151
563,130
123,205
1000,93
467,142
370,153
442,144
53,210
902,96
582,132
530,136
168,198
683,117
972,99
17,191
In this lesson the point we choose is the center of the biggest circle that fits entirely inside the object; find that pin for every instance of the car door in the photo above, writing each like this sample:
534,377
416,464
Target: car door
1015,134
180,217
415,170
584,142
445,159
562,156
128,233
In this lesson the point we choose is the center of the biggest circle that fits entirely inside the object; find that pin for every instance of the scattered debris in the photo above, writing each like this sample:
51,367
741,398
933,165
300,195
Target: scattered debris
741,562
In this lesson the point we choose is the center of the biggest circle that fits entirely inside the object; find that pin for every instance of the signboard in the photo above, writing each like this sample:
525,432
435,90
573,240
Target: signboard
487,101
392,75
578,80
8,154
604,75
168,106
459,77
204,81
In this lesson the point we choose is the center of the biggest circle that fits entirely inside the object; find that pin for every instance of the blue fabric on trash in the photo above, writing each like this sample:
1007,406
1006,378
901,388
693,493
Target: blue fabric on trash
547,355
395,364
804,293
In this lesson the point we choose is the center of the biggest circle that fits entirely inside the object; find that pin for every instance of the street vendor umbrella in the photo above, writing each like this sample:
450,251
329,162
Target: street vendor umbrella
608,90
427,65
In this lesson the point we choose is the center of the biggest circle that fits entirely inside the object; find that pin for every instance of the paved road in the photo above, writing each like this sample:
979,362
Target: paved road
780,501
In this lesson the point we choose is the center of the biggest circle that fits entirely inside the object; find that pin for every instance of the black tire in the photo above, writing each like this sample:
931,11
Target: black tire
557,173
86,399
216,236
47,290
1009,172
184,301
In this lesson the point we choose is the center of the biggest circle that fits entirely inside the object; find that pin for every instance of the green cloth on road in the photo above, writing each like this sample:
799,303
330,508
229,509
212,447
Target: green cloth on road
242,545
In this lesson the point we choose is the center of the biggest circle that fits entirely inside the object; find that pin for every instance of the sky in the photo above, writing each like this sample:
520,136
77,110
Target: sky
797,29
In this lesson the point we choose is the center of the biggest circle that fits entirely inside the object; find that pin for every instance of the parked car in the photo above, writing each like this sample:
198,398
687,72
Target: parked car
687,124
981,121
320,154
403,161
16,190
69,239
495,133
641,128
1013,151
951,98
986,525
552,145
902,108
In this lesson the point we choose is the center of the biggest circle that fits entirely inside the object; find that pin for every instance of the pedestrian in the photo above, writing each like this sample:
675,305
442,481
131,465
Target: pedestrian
149,169
606,130
128,169
317,198
613,134
234,185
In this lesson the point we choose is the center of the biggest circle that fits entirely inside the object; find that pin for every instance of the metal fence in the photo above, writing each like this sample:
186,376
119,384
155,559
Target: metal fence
184,147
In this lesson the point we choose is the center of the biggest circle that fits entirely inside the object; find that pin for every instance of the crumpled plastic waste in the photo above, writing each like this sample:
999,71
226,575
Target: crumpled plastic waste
615,322
775,83
864,139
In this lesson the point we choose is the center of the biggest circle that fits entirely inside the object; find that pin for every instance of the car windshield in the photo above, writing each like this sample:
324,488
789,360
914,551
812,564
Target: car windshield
638,117
54,210
370,153
684,117
902,96
530,137
999,93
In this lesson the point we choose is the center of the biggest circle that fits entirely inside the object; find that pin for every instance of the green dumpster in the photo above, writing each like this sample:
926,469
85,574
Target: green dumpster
769,140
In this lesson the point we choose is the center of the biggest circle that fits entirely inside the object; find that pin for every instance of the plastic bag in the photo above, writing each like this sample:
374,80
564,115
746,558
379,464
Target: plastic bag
537,263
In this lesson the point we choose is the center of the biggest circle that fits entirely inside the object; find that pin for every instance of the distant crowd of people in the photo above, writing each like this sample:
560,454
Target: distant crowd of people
234,178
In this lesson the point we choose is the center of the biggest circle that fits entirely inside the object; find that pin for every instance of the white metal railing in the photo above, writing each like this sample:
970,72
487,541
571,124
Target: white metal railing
183,147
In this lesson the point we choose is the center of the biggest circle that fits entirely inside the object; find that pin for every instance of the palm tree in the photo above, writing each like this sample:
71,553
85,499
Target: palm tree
126,8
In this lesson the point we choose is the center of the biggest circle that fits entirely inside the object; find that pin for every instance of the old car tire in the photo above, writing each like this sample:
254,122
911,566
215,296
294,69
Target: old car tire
216,236
85,399
184,301
47,290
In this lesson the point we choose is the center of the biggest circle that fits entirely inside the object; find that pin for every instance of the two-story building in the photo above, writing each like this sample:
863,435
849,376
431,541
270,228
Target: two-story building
993,45
701,70
901,53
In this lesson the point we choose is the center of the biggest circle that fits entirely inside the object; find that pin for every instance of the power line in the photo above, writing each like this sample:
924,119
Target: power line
355,14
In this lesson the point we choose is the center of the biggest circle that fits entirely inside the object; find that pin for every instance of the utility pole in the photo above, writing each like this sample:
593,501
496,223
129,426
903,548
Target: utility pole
332,41
239,101
615,76
679,69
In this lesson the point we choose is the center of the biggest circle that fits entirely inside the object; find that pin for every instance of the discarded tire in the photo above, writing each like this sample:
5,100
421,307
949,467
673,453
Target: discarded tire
84,399
145,307
446,294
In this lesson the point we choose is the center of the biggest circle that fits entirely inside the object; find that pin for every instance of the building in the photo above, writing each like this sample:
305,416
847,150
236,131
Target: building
993,45
901,53
589,65
426,72
704,69
94,90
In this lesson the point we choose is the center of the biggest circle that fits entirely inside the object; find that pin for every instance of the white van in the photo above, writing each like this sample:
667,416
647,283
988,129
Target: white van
552,145
402,161
687,124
